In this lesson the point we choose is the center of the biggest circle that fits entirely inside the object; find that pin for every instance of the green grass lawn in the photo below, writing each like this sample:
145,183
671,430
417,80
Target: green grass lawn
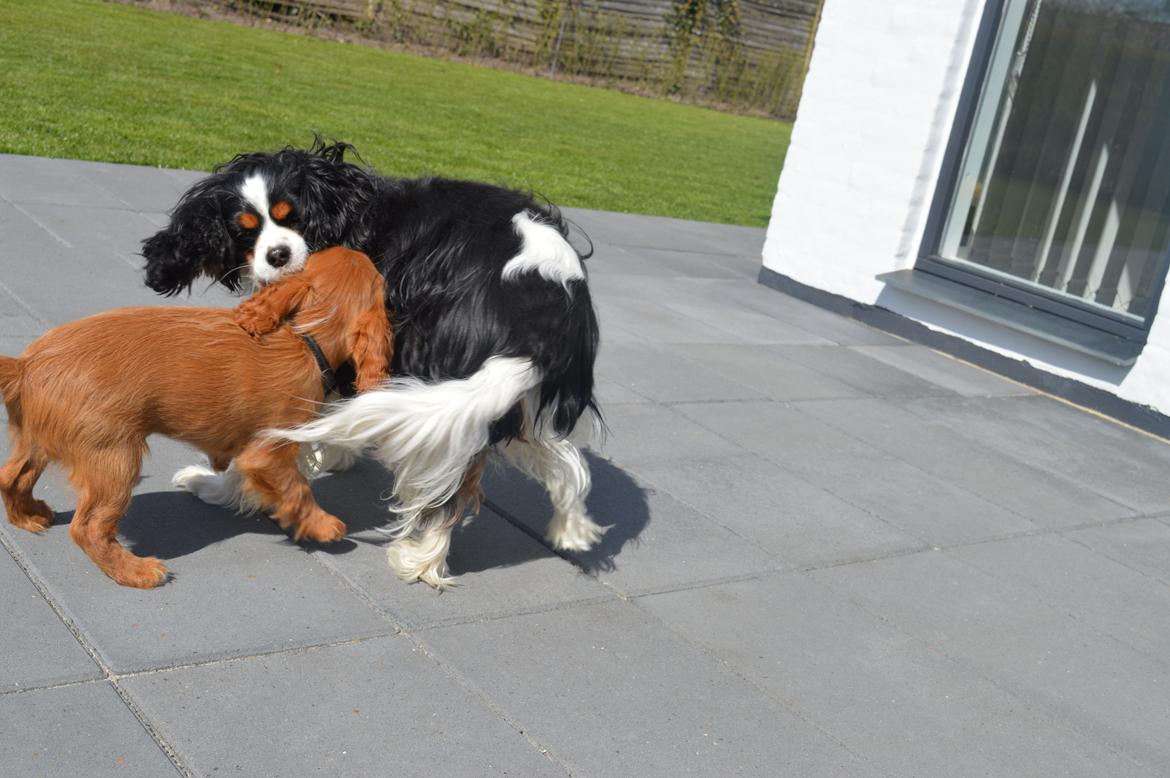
92,80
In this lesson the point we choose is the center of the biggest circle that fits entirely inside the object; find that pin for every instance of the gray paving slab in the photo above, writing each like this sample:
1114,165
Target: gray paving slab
824,324
1125,466
870,376
1142,545
1054,662
1098,591
792,519
609,392
12,345
58,281
705,300
620,265
798,313
141,188
36,648
239,586
662,233
92,230
378,707
758,367
64,263
749,326
18,322
666,375
858,472
654,542
656,323
76,730
609,691
654,432
39,180
943,370
889,697
695,263
1040,496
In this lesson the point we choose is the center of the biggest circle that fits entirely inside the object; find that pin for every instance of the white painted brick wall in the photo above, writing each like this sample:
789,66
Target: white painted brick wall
877,106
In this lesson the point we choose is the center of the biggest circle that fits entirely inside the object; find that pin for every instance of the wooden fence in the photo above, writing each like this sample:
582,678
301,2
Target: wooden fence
623,42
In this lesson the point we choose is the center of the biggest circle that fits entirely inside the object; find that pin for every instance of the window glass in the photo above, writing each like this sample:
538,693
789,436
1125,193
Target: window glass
1065,181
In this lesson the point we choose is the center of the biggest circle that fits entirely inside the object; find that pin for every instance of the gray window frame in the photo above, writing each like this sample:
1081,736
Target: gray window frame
929,260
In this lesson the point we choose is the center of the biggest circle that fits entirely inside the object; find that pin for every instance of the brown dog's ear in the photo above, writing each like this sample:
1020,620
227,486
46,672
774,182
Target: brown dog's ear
264,311
370,342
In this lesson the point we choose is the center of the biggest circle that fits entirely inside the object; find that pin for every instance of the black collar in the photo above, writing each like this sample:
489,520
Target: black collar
327,376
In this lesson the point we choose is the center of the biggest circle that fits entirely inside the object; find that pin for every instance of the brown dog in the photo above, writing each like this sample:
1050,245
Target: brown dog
88,393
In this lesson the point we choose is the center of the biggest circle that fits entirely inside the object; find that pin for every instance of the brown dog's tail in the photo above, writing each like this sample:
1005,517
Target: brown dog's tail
11,371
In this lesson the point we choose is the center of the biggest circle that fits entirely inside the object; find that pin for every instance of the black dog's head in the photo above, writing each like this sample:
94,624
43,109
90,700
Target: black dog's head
259,217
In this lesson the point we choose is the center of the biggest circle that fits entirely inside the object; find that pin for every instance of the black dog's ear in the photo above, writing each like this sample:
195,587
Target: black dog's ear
195,243
333,196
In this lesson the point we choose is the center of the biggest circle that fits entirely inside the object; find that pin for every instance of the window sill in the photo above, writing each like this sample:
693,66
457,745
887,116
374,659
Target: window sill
1017,316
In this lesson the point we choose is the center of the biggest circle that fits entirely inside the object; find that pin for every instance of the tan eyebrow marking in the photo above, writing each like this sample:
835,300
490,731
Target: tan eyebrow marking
248,220
281,210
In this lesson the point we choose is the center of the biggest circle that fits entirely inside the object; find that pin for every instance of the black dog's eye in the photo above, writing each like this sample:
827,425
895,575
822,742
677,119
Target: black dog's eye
281,210
248,220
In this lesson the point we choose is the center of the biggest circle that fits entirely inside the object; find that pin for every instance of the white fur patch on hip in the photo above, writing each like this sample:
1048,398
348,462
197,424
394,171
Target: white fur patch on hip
544,250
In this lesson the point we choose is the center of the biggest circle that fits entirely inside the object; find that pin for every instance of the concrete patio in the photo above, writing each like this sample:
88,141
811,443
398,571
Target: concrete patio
833,553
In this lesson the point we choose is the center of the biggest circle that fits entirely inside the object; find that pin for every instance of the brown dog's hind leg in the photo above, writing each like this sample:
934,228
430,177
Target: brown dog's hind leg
271,475
103,485
17,479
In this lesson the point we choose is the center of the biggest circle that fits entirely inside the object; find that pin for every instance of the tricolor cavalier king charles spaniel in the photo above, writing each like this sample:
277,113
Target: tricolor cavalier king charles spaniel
495,332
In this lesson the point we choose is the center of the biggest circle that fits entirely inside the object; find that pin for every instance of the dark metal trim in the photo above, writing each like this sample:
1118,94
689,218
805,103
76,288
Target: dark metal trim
929,260
1071,309
961,129
1016,316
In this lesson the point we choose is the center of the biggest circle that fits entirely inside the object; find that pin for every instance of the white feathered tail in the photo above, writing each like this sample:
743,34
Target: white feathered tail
425,433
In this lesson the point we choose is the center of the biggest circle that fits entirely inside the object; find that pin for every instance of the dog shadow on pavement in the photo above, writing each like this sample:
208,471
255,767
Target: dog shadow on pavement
173,524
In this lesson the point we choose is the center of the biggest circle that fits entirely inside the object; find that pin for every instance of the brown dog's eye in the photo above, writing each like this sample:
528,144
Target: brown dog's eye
248,220
281,210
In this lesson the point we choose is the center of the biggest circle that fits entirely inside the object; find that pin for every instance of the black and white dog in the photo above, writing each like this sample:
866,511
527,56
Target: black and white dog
495,332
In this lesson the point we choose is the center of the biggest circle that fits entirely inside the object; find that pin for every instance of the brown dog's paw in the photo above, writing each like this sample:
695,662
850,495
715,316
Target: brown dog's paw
36,516
254,319
321,528
141,573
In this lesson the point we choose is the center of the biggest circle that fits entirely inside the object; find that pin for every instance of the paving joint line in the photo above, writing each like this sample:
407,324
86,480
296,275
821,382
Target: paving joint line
927,474
733,254
27,308
444,667
461,621
1055,475
50,686
277,652
212,662
1039,707
767,694
51,232
108,675
1101,631
897,554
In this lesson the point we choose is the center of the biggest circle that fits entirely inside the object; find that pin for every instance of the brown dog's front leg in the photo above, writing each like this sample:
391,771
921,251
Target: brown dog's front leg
271,474
264,311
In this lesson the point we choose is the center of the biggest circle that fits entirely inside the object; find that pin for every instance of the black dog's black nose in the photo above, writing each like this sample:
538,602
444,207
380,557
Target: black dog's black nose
278,256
